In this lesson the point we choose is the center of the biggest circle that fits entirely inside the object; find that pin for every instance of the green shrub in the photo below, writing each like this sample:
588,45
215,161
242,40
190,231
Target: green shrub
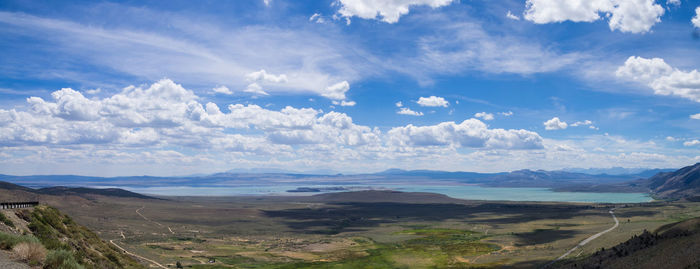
61,259
8,241
5,220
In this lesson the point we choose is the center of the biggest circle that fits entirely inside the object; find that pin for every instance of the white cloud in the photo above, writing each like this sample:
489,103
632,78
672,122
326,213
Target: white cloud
267,2
408,111
484,116
671,138
387,11
399,104
433,101
336,91
506,114
695,116
581,123
263,76
691,143
93,91
317,18
471,133
223,90
165,113
661,77
673,2
696,19
633,16
511,16
344,103
255,88
555,124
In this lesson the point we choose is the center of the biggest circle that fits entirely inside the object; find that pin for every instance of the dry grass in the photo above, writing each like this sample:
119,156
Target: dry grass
31,253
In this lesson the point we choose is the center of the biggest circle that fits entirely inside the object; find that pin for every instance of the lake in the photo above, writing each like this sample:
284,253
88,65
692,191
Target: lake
471,192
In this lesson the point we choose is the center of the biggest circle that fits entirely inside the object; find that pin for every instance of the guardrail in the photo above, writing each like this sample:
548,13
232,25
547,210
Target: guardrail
11,205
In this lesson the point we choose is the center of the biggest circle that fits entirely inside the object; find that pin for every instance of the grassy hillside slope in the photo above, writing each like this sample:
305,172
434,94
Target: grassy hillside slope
61,236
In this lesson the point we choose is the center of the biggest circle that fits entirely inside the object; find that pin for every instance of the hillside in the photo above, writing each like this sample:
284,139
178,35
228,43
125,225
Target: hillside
671,246
17,193
115,192
682,183
64,238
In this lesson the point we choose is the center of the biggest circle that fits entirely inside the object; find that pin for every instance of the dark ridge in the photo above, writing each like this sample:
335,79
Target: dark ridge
114,192
683,183
60,190
14,187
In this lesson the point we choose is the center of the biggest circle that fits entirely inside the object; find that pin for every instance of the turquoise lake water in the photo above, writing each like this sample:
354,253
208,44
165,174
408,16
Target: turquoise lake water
470,192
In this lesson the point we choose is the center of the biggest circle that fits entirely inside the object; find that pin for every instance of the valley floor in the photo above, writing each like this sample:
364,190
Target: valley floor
361,230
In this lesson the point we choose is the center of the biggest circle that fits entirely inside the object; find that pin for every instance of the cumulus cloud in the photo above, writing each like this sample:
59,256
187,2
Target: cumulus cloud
433,101
336,91
696,20
695,116
471,133
661,77
222,90
255,88
484,116
555,124
633,16
388,11
511,16
165,113
262,75
408,111
506,114
691,143
399,104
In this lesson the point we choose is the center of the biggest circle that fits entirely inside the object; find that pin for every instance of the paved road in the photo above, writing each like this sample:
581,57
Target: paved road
584,242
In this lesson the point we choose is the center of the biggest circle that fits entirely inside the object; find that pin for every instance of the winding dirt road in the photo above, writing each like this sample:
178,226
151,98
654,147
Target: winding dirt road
587,240
147,219
137,256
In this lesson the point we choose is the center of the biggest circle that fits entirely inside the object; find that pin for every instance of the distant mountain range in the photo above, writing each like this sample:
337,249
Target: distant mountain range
665,183
618,171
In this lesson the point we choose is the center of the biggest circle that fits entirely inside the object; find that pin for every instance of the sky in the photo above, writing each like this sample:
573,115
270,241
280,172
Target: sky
171,88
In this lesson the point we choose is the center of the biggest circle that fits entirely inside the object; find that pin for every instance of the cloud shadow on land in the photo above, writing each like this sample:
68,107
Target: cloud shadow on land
345,217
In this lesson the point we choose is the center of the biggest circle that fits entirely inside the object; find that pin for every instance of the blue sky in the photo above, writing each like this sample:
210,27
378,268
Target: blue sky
176,87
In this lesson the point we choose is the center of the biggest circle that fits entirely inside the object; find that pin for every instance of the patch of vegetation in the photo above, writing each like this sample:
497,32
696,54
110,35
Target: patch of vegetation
160,247
61,259
9,241
7,221
191,239
437,248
